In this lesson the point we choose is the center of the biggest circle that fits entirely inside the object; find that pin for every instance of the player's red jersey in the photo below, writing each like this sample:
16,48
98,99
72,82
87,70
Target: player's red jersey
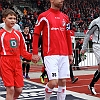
13,44
56,37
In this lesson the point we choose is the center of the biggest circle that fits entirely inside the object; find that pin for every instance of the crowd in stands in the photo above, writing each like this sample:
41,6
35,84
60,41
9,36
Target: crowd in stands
80,12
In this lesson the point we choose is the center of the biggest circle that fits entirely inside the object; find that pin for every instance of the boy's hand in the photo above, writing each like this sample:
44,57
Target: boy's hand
35,58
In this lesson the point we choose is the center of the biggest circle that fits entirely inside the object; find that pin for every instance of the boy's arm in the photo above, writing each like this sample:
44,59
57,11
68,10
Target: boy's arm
23,51
26,54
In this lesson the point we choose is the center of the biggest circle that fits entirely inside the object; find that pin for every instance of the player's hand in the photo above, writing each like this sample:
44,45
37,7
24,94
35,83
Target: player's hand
35,58
70,59
82,52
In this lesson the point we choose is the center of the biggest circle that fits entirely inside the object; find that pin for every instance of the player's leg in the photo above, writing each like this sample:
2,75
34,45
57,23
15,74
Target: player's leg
61,94
73,79
51,63
76,57
27,71
43,74
96,49
49,88
94,80
23,68
79,57
43,67
64,72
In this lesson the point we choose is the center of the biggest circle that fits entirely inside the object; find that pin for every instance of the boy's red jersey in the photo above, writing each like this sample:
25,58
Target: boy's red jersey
13,44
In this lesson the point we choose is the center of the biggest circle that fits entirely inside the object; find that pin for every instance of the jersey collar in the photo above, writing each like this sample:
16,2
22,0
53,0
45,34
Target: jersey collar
54,10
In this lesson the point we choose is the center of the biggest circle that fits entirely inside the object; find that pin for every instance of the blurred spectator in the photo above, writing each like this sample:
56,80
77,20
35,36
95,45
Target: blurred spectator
77,55
28,42
25,11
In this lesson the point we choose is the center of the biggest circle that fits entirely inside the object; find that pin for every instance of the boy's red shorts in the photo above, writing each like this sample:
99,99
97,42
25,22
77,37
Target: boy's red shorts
11,71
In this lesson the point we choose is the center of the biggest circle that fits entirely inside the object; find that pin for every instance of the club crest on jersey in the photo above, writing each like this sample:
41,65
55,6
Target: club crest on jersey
13,43
63,23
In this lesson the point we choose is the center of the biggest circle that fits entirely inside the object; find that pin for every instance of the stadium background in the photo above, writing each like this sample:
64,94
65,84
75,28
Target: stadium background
80,12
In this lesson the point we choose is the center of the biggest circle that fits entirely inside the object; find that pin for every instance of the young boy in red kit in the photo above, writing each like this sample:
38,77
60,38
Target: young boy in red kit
12,46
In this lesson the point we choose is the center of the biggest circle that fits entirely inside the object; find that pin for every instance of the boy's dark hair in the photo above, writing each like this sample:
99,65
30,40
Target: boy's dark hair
7,12
26,25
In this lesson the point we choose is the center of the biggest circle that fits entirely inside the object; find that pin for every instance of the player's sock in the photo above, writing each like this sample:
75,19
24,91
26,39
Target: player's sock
95,78
61,94
48,93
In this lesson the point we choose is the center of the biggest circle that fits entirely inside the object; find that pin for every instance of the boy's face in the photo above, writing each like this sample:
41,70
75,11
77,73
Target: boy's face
10,20
26,30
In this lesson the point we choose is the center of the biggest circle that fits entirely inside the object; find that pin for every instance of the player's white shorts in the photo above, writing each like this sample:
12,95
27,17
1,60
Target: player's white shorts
96,49
57,67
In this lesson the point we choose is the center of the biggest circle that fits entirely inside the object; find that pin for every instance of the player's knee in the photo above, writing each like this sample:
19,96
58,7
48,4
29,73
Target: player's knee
62,82
53,83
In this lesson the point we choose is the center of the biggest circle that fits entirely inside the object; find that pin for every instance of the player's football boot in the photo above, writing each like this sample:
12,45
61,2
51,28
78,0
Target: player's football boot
92,90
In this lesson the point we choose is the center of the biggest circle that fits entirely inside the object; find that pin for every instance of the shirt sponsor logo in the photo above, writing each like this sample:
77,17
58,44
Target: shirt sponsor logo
57,17
13,43
55,29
